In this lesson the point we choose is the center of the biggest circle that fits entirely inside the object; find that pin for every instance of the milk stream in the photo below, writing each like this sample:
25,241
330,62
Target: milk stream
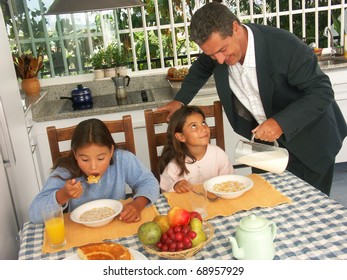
272,161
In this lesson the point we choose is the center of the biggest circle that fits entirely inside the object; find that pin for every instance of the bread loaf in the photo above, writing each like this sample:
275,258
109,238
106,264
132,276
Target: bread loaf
170,72
104,251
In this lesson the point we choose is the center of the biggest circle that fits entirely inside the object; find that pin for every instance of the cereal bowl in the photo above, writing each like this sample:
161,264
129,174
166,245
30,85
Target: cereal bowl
96,213
228,186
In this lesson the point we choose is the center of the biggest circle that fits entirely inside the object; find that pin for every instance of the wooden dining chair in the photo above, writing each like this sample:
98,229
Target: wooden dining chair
57,137
156,126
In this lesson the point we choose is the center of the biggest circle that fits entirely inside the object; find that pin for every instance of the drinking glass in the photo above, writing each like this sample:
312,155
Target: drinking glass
53,219
198,195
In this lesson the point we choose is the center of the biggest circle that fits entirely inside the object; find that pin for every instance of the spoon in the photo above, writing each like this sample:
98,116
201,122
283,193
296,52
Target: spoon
210,196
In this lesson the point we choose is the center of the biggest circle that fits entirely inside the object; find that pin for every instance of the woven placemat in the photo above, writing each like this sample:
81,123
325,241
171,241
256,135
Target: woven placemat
263,194
78,235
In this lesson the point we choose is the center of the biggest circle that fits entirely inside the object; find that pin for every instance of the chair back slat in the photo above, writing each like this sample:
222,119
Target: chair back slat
59,135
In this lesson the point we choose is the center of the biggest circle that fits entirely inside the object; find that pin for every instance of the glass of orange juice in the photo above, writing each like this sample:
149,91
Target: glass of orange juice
54,225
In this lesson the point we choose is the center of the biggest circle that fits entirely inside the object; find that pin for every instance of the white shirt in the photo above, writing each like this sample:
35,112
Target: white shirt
244,83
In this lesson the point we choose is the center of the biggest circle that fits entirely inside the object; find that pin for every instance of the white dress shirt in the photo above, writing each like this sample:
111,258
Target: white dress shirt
244,83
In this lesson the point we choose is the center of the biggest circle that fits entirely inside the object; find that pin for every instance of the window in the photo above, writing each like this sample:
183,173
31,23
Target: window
155,36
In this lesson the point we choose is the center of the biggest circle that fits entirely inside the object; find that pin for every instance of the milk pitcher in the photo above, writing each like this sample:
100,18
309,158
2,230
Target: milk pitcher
270,158
120,83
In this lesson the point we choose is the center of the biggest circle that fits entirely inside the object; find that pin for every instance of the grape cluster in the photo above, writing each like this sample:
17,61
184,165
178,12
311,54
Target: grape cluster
180,73
176,238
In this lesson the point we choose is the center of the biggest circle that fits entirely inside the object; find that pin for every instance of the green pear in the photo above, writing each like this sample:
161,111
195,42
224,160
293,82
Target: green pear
195,224
200,237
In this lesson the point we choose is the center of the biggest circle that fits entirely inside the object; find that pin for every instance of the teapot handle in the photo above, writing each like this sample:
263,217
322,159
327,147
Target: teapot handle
275,142
273,230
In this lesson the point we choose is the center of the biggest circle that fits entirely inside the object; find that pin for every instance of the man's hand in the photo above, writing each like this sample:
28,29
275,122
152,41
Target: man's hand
269,131
172,107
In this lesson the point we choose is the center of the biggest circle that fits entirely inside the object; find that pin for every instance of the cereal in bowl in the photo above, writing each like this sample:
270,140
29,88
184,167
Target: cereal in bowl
229,186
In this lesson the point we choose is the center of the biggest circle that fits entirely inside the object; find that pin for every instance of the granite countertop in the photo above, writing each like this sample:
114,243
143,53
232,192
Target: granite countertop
51,110
49,106
330,63
28,101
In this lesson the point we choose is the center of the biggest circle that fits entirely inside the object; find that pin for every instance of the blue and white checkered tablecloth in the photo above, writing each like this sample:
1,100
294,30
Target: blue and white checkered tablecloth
312,227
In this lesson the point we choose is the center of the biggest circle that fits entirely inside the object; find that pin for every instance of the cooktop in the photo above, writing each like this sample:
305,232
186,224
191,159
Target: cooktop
110,100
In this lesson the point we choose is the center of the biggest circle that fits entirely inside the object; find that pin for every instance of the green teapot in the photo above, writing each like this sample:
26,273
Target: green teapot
254,239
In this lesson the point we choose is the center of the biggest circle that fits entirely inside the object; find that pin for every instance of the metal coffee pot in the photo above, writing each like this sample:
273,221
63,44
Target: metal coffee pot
254,239
120,83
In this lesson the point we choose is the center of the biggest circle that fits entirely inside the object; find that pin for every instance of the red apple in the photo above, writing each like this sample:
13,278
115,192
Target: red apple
194,214
178,216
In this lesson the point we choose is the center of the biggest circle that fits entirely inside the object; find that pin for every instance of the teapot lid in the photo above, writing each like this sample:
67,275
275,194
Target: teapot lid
253,223
80,89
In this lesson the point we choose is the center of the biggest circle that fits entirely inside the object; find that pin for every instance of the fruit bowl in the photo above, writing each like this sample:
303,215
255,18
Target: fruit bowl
184,254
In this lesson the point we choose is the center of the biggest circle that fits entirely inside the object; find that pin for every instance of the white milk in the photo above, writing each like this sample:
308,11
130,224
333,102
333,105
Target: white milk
272,161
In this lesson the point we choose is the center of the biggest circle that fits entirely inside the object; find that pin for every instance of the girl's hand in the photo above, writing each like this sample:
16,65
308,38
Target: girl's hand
71,189
181,186
130,213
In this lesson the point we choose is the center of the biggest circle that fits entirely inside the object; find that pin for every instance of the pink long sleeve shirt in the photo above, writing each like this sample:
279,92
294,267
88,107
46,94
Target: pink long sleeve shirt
214,163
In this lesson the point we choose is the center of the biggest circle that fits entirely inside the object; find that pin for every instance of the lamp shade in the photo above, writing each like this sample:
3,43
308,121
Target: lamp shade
79,6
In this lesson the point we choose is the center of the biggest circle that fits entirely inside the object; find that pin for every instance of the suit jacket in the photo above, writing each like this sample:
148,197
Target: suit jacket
293,89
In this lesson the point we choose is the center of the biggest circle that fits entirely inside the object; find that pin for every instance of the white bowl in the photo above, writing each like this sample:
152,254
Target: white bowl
114,204
247,182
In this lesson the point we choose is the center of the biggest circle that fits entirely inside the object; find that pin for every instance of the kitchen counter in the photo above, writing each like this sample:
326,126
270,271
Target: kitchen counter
50,110
49,106
28,101
331,63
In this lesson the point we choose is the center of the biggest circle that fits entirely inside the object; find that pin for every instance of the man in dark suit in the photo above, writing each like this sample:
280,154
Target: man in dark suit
270,85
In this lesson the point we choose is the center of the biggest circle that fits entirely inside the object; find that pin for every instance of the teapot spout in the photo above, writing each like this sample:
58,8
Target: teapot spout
237,251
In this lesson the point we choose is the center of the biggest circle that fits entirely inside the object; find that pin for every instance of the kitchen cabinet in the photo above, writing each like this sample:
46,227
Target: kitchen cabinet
33,145
338,79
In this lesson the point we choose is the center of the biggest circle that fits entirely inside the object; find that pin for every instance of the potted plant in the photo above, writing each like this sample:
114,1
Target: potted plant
121,59
27,68
98,63
110,53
